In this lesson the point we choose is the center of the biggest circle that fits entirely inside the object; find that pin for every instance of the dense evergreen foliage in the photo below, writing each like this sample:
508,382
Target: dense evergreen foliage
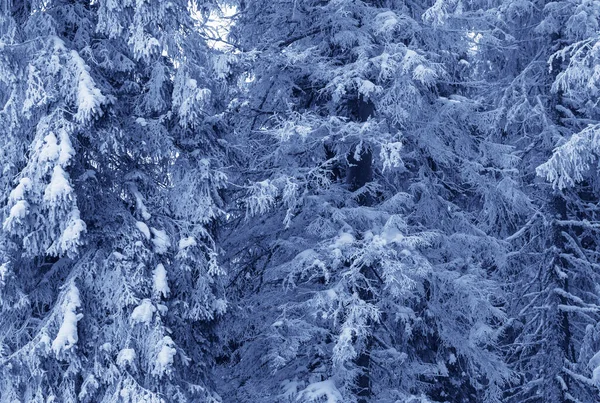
299,201
110,187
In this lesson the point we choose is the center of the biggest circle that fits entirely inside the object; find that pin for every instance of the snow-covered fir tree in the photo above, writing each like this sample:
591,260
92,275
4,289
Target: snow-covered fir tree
358,259
538,63
109,191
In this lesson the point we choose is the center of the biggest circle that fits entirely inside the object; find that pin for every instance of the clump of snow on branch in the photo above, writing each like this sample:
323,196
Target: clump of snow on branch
143,312
324,391
126,357
143,228
161,241
67,337
161,286
187,242
164,359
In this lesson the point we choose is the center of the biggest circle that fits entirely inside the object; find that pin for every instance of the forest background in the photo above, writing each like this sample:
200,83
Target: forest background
299,201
